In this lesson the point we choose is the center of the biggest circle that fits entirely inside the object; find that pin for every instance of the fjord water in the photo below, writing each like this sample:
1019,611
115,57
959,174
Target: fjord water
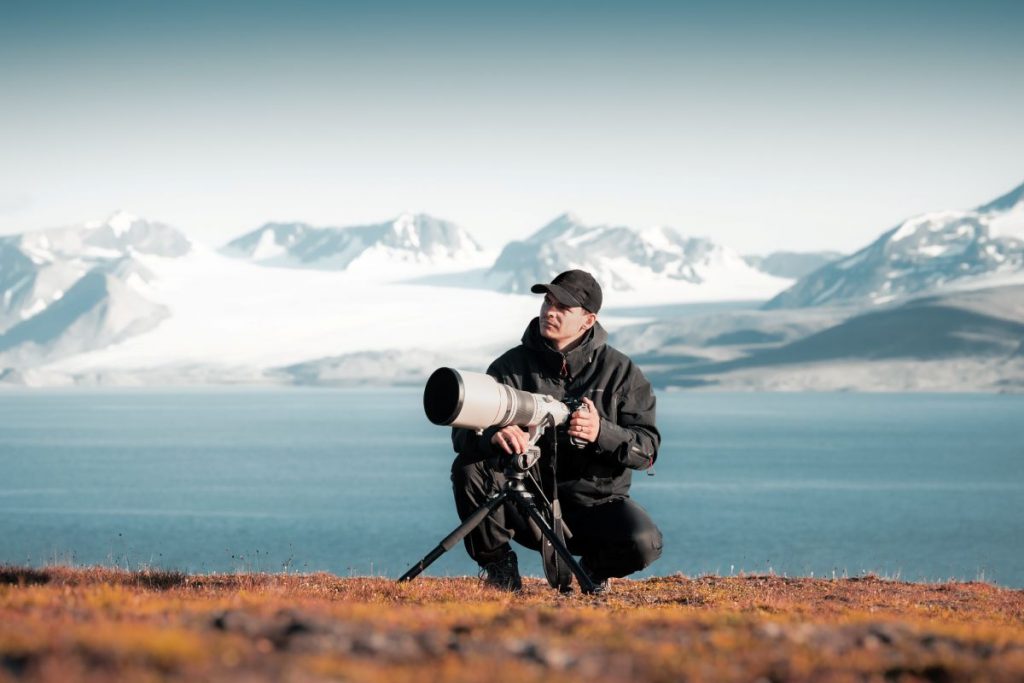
355,482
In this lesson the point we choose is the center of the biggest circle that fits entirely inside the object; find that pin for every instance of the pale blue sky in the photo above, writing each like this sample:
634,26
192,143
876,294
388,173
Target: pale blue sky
794,125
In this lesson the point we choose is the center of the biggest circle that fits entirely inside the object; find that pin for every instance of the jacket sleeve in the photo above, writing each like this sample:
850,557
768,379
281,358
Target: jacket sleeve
631,440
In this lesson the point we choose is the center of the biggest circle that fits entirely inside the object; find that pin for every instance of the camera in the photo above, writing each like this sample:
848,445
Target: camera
574,404
475,400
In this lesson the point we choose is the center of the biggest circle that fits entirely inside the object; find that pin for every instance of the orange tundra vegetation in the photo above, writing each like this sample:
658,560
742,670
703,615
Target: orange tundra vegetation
97,624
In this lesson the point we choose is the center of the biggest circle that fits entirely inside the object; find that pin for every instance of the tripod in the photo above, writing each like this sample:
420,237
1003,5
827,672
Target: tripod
515,491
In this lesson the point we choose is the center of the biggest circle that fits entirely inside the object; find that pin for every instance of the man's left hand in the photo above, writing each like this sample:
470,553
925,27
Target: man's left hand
585,424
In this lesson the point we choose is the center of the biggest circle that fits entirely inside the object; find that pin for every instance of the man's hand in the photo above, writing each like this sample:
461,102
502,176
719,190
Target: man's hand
585,424
512,439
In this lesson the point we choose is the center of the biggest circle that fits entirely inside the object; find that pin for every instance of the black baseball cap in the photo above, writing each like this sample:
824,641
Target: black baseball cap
573,288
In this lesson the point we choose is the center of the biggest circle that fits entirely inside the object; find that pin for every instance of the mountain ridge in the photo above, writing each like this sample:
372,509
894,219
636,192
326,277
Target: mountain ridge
926,253
126,299
410,238
645,262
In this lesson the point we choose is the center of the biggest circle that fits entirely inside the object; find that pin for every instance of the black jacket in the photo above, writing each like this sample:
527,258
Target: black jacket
628,438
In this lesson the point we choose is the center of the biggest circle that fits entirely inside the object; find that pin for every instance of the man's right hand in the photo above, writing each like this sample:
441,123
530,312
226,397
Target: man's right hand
512,439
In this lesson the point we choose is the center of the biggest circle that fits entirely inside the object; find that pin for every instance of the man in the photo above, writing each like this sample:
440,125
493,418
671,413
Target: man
563,353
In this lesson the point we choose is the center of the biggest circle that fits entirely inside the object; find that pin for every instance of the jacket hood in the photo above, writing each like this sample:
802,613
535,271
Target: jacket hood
575,359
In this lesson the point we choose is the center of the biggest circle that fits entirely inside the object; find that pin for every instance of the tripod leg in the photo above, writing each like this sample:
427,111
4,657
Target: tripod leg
530,508
460,532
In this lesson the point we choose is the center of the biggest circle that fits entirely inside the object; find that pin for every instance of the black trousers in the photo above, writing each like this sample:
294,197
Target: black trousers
614,538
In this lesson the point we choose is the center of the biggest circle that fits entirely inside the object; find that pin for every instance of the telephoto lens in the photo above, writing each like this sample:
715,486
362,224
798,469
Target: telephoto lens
475,400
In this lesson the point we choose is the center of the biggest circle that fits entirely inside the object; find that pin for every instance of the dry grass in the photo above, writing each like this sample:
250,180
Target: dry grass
62,624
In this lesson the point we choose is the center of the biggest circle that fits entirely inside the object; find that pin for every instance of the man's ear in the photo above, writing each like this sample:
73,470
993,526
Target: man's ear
591,320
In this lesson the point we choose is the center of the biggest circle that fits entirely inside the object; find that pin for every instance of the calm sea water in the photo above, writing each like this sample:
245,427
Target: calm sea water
356,482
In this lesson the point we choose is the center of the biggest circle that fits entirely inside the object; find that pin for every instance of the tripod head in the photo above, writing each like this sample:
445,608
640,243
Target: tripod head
524,461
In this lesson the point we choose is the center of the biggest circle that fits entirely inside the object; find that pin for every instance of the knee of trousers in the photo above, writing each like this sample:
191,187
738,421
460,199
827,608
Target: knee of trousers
471,480
647,544
633,553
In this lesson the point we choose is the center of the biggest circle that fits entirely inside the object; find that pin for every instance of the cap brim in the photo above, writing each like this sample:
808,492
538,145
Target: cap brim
561,294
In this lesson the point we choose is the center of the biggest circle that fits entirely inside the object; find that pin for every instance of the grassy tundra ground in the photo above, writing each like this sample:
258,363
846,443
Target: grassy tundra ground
62,624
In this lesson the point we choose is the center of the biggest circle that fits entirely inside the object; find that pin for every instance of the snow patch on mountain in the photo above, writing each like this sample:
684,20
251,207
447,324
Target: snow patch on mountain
651,265
26,288
73,289
1008,224
410,245
120,234
99,310
792,265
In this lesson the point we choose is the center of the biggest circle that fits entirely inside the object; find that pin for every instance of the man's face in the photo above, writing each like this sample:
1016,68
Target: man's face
562,325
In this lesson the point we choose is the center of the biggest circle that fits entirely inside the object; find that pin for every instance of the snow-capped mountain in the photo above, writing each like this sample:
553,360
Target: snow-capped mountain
933,252
28,287
131,301
116,236
97,311
792,264
415,242
118,314
38,268
651,265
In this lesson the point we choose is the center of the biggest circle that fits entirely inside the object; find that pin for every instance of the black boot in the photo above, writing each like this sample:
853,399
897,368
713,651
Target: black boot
602,585
503,573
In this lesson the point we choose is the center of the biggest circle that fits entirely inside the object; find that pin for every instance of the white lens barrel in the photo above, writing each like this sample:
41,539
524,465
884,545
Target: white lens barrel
486,402
474,400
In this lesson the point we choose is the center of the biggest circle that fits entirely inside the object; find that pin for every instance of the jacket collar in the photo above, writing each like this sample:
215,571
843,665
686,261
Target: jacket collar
574,360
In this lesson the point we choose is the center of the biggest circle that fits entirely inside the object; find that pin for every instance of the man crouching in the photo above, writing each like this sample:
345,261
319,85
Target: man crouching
564,354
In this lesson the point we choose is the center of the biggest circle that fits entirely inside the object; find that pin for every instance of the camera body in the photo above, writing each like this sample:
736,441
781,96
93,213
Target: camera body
574,404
